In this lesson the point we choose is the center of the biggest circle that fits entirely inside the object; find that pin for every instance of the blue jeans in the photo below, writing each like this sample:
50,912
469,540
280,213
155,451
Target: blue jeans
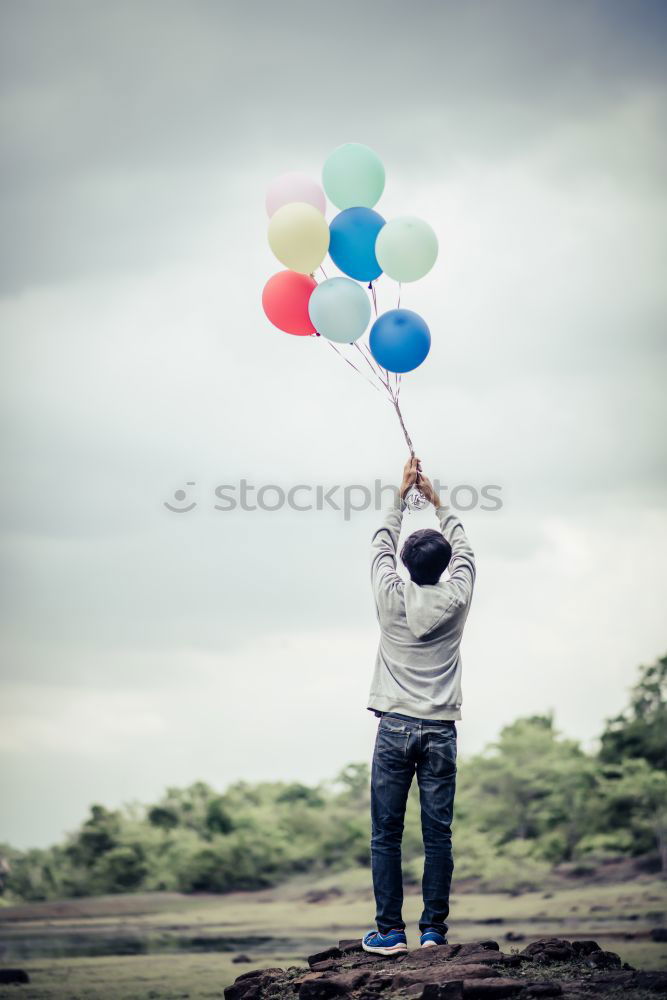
402,745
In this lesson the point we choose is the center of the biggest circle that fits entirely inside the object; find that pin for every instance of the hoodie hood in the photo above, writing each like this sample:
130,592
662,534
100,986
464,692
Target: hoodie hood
426,606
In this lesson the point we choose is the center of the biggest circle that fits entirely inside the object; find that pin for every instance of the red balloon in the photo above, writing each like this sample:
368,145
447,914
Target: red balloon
285,301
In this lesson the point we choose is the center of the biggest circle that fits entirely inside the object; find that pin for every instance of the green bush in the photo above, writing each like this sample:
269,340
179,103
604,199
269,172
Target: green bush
532,800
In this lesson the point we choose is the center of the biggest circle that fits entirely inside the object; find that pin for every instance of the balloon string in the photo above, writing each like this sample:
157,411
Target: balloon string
408,439
367,359
393,397
371,362
375,366
350,363
375,301
323,272
377,373
397,376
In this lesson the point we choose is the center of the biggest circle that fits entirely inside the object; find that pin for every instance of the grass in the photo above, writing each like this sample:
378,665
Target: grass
138,977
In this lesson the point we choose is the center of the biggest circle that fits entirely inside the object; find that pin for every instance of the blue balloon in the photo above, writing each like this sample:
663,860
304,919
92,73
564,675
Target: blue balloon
352,242
399,340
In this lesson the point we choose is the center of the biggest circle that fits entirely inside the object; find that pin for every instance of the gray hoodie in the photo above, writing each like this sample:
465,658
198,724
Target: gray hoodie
418,664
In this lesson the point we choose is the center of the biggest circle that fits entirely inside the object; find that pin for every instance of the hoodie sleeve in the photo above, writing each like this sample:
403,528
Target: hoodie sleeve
462,563
384,577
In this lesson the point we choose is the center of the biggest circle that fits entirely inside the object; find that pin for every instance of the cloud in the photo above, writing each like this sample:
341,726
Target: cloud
126,129
137,144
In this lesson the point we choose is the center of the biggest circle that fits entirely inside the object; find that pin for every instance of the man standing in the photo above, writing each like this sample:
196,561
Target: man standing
416,691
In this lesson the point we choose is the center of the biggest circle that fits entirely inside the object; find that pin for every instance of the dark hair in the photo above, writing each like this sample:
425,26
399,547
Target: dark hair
426,554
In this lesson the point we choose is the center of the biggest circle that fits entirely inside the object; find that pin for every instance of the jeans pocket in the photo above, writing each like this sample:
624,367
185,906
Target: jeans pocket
392,742
442,752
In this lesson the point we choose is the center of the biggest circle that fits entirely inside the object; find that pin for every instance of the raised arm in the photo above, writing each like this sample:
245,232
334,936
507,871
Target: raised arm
383,549
462,564
385,540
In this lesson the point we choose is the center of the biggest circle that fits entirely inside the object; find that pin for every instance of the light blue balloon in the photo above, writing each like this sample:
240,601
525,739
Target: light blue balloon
353,175
399,340
340,310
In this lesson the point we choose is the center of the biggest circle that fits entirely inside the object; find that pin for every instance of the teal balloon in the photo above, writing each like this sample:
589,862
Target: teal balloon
340,310
406,248
353,176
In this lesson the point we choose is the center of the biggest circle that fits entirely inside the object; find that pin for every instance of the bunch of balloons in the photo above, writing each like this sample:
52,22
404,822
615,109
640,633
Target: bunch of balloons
362,245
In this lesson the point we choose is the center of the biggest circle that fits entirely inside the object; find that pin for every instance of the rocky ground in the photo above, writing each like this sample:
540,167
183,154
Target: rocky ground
549,967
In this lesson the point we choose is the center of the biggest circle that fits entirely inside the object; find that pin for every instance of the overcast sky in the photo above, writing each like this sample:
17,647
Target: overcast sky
144,648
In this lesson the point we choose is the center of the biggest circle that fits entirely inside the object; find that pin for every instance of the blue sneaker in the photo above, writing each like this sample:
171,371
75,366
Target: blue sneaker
430,938
390,943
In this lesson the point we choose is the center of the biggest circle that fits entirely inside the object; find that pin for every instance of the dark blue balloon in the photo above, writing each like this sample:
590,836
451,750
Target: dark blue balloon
352,243
399,340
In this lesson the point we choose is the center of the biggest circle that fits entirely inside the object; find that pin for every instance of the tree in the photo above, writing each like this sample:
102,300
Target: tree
98,834
121,869
218,819
163,817
639,731
634,798
356,781
297,792
533,785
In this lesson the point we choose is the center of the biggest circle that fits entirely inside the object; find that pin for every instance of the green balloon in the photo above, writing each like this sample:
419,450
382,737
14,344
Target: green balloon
353,176
406,248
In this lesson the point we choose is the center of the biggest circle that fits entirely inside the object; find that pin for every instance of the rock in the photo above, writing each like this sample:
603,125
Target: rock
511,936
513,960
477,970
14,976
473,946
259,973
549,950
438,991
436,953
252,990
323,987
441,974
321,956
654,981
351,980
604,960
250,985
490,988
658,934
614,983
492,920
242,958
585,947
305,982
348,945
486,957
325,966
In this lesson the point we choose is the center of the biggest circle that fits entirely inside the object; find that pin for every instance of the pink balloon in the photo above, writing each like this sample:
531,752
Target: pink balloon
285,301
294,187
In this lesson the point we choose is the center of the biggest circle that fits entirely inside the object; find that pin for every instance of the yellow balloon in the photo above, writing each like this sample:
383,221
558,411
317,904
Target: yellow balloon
299,236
